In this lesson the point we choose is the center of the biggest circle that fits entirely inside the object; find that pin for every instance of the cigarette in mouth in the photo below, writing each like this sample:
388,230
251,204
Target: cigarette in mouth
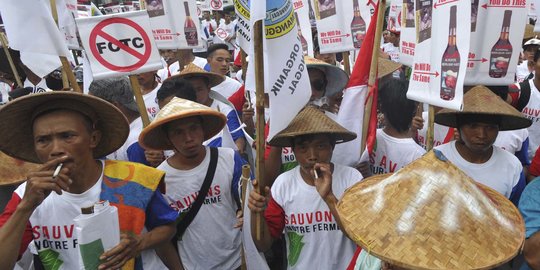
57,170
315,172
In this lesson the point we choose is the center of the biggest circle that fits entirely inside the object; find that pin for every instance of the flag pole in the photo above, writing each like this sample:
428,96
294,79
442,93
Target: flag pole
243,57
5,45
373,71
244,181
136,88
346,62
65,63
430,128
259,107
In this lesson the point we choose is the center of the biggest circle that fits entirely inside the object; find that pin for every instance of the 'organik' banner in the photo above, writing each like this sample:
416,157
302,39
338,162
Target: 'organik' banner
341,25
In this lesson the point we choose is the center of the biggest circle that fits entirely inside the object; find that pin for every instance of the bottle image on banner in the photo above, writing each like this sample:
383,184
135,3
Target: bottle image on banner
300,36
325,8
450,61
190,29
423,19
502,50
358,26
312,20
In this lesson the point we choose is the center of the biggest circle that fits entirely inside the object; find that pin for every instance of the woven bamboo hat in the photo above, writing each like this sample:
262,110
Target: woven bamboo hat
13,171
154,136
481,101
18,117
336,77
311,121
191,70
431,215
386,66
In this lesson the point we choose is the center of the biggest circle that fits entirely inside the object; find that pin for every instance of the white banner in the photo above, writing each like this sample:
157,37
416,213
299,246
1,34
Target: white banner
67,12
532,12
87,9
119,44
243,33
407,41
211,5
440,60
173,26
497,32
301,10
342,25
394,15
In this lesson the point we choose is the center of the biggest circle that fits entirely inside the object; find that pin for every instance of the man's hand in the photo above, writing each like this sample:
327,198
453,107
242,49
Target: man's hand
40,183
239,219
323,180
257,202
417,123
154,158
130,246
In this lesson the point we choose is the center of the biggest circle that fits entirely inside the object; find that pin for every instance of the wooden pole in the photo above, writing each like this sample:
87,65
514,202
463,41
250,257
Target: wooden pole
430,128
66,67
259,107
373,71
243,56
346,62
5,45
139,99
244,181
179,58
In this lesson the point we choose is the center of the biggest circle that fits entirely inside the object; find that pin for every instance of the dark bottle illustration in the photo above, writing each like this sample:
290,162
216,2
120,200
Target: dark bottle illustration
190,29
358,26
450,61
300,36
502,50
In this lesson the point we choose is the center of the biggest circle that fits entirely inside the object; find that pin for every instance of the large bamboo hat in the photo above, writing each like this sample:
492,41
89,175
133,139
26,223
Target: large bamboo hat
311,121
154,135
481,101
386,66
336,77
191,70
431,215
14,171
16,137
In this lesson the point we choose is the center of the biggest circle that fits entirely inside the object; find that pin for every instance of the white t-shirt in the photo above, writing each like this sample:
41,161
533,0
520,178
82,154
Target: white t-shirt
391,154
310,224
5,88
512,140
393,52
522,71
210,241
532,111
131,150
442,134
501,172
150,101
227,87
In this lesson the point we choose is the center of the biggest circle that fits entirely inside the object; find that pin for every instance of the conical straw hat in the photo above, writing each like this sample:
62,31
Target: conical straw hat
154,136
336,77
480,100
191,70
386,66
14,171
430,215
529,32
311,121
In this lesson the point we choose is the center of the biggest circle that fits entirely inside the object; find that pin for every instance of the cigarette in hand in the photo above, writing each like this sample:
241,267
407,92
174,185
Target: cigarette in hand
57,170
316,175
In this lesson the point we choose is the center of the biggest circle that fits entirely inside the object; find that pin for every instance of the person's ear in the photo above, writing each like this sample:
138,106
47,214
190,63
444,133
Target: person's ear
95,138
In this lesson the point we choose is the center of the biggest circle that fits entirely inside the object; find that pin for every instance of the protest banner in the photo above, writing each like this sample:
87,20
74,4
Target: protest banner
172,24
439,64
394,15
243,33
301,10
496,36
119,44
85,8
532,12
341,25
211,5
67,12
407,42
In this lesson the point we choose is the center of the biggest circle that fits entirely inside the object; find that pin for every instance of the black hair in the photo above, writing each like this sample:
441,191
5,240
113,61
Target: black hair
537,55
214,47
19,92
398,110
177,87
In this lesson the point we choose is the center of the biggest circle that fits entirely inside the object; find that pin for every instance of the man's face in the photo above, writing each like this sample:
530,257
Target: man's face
169,56
206,15
528,52
202,90
227,17
479,137
393,38
317,81
147,78
219,61
63,133
187,136
311,150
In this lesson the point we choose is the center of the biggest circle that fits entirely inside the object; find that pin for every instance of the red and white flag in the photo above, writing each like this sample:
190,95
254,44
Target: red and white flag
355,96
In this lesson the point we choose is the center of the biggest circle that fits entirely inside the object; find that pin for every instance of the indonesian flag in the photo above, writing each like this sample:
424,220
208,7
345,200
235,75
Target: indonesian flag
355,96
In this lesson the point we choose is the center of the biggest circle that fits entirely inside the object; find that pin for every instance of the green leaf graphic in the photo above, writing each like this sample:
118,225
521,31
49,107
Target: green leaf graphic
295,247
50,259
90,254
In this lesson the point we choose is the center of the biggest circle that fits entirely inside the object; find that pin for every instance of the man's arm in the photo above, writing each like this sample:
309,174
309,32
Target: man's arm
531,251
529,206
11,235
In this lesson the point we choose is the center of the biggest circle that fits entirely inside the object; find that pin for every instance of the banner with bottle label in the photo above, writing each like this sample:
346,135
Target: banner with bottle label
67,12
341,25
394,15
243,31
172,24
440,61
496,36
407,41
301,11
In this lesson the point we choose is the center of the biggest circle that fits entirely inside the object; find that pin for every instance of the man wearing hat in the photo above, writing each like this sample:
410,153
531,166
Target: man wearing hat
484,115
212,239
302,201
67,132
525,70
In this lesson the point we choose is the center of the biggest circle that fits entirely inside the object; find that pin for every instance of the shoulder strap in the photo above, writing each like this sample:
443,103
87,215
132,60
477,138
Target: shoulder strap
184,221
524,96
